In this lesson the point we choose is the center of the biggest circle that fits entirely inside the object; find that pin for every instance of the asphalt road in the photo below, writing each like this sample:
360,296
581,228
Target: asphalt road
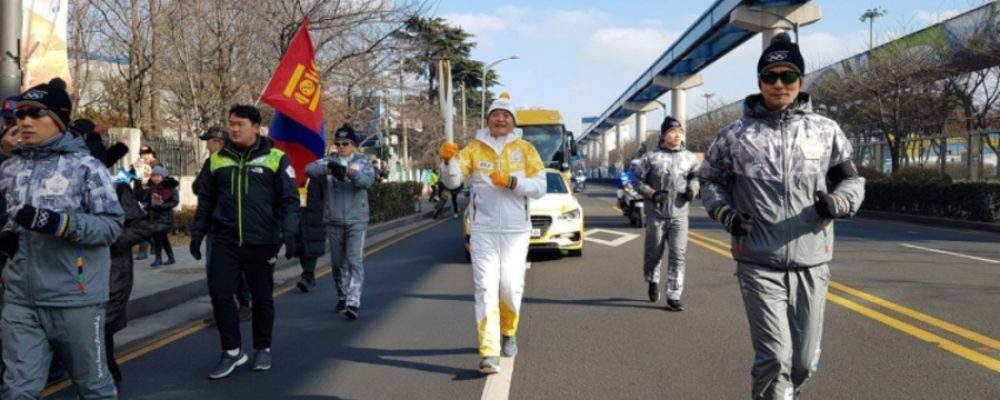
903,322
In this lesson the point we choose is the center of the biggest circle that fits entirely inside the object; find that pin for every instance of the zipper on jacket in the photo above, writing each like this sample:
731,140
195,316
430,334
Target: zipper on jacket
785,171
27,271
239,200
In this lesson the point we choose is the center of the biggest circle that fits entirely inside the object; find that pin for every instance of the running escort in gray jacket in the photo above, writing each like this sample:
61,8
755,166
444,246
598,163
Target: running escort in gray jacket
670,171
771,168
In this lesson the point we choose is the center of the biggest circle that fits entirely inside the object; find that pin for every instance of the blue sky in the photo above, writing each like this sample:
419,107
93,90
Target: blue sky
578,56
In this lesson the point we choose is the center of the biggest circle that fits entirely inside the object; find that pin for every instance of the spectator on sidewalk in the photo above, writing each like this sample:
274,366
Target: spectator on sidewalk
64,206
312,233
249,203
87,130
160,200
136,229
142,170
776,179
345,179
505,172
215,139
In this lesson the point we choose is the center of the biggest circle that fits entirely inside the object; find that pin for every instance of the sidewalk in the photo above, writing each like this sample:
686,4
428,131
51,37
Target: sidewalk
170,297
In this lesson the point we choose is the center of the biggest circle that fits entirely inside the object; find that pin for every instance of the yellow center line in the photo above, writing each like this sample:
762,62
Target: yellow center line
198,326
968,334
909,312
721,248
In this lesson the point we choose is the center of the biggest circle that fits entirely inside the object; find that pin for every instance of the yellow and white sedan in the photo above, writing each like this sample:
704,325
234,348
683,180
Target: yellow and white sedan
556,219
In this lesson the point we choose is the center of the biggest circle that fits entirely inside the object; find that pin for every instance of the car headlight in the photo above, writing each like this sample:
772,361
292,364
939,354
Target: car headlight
571,215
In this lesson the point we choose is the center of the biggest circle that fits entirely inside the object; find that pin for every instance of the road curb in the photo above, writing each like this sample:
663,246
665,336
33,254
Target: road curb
931,221
153,303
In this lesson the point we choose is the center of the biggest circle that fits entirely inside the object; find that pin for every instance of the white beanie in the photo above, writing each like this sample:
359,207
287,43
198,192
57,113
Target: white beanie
503,103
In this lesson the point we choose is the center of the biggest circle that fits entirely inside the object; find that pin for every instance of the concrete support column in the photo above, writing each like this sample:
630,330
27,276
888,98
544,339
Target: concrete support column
640,127
678,105
678,85
619,147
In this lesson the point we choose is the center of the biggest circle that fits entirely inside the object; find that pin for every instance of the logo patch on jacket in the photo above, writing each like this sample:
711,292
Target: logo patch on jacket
56,185
516,156
812,149
485,166
257,170
290,171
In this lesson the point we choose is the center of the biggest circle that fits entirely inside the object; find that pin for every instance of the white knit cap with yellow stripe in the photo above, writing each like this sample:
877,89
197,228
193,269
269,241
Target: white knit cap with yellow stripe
503,103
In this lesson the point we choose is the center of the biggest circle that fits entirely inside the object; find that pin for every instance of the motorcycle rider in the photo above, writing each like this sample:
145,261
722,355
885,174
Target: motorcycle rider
666,179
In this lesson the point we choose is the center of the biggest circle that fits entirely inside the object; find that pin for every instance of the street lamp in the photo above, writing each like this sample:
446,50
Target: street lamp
707,96
794,25
870,14
482,104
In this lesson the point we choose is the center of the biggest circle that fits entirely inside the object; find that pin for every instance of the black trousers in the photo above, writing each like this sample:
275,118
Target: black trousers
228,261
162,244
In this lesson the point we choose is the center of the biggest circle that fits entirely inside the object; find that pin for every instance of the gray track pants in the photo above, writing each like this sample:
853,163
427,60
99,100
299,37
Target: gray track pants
347,244
674,234
785,311
32,334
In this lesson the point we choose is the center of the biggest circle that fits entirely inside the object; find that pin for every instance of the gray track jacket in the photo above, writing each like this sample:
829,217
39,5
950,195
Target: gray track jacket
769,165
670,170
61,176
346,202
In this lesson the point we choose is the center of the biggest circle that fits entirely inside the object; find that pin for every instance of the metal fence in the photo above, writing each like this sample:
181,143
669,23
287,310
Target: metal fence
180,158
966,156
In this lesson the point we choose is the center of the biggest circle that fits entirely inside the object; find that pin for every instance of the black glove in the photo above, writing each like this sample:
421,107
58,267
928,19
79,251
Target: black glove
688,195
735,222
41,220
195,247
660,196
289,248
831,206
9,243
338,171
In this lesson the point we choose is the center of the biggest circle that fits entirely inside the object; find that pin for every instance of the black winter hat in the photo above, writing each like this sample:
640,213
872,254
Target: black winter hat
346,131
668,123
51,96
781,51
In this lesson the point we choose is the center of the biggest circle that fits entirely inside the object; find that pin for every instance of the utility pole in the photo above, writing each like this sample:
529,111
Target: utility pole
870,14
10,53
402,120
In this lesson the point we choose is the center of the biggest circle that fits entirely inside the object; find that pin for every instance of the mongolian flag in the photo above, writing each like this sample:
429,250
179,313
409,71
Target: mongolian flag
294,91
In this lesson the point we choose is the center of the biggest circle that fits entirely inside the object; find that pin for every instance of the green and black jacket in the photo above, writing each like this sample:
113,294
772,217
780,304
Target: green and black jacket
248,197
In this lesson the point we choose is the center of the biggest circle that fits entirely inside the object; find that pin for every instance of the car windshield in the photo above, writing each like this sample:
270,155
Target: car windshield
555,183
547,139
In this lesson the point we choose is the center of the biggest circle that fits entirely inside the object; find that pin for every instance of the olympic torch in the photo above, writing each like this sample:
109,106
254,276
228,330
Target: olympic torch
446,98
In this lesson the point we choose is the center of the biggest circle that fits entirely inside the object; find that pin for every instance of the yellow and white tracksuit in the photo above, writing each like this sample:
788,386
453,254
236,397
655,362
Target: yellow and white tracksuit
500,227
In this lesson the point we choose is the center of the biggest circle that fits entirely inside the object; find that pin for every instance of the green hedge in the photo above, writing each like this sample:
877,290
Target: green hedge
966,201
391,200
388,201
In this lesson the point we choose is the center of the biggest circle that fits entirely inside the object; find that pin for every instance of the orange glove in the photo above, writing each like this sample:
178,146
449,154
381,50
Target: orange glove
503,180
448,150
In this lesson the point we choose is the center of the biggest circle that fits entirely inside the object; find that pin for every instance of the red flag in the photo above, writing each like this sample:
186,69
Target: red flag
294,89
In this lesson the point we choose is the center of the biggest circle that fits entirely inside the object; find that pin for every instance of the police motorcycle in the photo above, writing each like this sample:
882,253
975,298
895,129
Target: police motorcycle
579,183
630,201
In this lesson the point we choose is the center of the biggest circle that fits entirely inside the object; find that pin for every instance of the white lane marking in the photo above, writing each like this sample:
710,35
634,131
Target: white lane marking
498,385
913,246
623,237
